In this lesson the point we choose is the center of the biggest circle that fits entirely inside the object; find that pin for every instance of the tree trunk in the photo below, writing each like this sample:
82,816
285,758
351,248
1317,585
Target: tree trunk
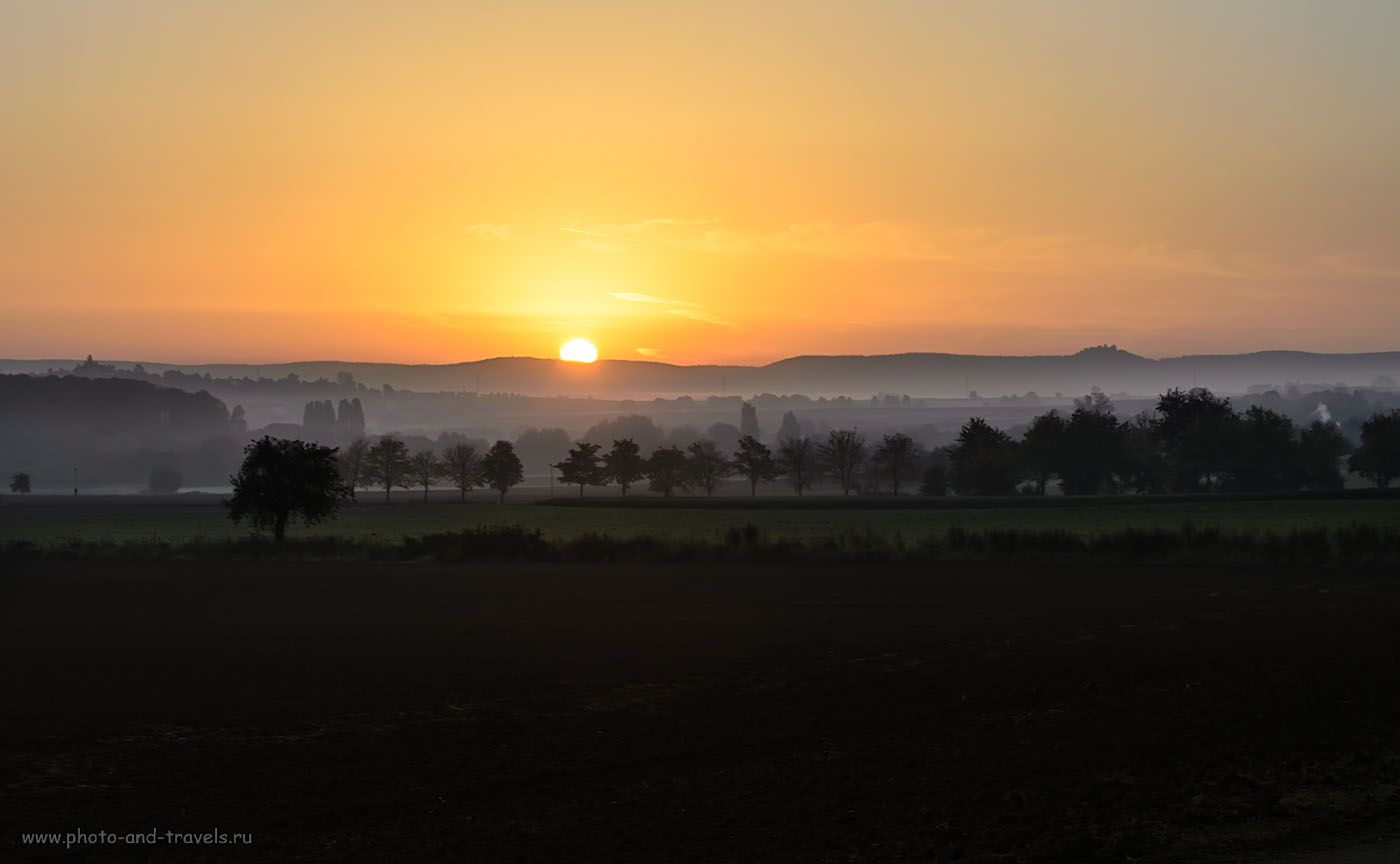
279,528
386,493
464,494
580,490
425,493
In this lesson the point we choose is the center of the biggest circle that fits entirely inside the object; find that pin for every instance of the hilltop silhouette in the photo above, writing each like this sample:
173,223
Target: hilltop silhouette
921,374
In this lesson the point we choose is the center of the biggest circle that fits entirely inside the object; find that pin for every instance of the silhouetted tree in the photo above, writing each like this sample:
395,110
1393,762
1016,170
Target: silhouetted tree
633,427
797,460
583,467
724,435
748,420
624,463
1097,402
1142,465
1266,456
789,428
842,456
755,462
387,464
1040,448
1197,431
707,465
668,471
897,456
350,416
19,483
352,463
1378,457
502,468
280,478
318,417
983,460
425,468
935,480
1091,447
462,465
165,481
542,447
1321,449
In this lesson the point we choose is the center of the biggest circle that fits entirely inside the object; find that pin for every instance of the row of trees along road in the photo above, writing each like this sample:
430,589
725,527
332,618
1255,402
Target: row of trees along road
702,466
387,464
281,478
1193,442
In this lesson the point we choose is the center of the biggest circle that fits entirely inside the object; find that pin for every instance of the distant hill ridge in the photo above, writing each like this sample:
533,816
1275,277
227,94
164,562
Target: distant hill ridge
919,374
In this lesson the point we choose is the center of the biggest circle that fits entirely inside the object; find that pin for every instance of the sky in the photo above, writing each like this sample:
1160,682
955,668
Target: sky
430,182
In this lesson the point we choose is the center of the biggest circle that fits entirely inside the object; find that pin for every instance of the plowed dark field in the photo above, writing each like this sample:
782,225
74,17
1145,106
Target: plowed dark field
350,712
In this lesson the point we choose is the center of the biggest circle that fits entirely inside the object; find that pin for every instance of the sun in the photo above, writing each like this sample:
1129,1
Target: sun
578,351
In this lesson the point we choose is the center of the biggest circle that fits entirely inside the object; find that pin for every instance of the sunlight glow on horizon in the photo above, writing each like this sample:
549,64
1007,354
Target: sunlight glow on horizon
578,351
445,181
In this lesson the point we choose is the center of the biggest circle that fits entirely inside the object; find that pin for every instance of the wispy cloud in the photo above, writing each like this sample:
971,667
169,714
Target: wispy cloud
982,249
1361,264
701,315
648,352
633,297
488,231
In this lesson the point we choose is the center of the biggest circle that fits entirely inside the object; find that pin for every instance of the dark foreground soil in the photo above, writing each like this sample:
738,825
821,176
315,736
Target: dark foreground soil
568,713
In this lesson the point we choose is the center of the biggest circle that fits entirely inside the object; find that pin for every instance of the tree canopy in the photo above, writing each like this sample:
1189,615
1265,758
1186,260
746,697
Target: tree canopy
501,468
280,478
624,464
583,467
388,464
754,461
19,483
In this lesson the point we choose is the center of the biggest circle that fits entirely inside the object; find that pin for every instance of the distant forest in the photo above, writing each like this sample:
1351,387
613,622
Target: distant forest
129,433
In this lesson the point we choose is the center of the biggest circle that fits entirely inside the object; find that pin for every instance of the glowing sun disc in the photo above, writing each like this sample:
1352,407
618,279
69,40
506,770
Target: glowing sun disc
578,351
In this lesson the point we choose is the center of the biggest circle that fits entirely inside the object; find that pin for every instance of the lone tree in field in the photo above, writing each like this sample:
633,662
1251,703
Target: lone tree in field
842,455
462,465
708,467
19,483
425,468
281,477
624,463
387,464
668,471
755,462
898,456
583,467
352,463
501,468
797,460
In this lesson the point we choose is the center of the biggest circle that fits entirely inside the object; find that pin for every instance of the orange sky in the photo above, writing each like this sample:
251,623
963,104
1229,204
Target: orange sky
696,182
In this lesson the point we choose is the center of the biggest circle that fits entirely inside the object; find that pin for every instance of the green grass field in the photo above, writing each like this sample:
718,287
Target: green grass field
190,517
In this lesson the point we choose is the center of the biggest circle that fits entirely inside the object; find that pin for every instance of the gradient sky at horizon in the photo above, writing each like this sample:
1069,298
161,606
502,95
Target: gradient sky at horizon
696,182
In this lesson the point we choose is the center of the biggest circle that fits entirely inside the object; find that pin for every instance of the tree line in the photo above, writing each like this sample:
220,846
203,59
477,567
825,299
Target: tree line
387,464
1193,442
